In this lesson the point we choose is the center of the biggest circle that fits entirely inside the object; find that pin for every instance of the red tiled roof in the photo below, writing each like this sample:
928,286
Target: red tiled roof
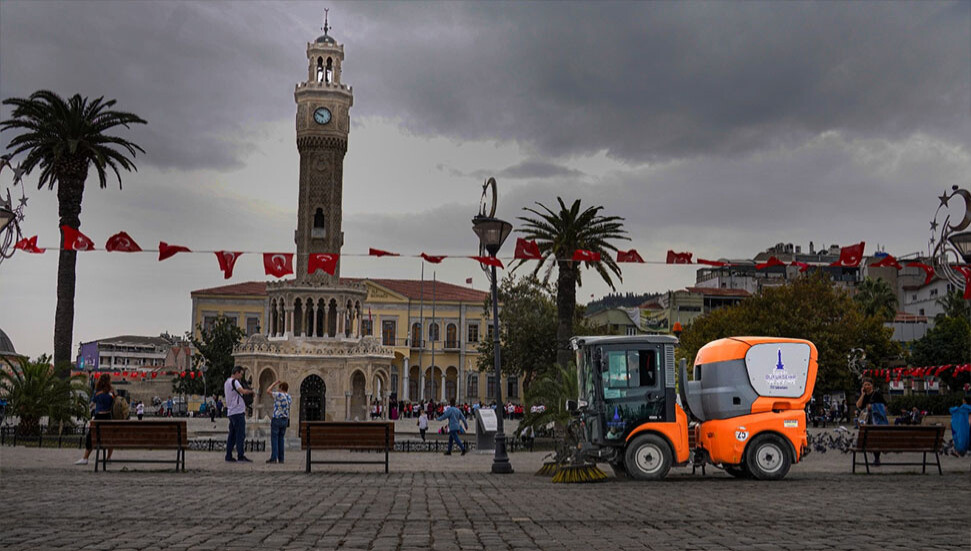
718,292
410,288
906,317
249,288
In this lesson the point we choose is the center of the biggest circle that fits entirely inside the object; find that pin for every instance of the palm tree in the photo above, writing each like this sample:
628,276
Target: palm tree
35,390
64,138
954,305
876,298
552,390
558,235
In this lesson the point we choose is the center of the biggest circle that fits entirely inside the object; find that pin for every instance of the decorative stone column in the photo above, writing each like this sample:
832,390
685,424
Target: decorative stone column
404,390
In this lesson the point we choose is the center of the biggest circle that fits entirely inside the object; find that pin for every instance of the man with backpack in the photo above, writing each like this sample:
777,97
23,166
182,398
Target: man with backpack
236,411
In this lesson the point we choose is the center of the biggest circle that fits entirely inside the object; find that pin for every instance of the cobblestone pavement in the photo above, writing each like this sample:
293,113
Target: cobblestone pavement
438,503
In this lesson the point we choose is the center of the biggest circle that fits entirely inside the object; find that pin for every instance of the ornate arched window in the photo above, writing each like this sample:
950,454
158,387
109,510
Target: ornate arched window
330,71
416,335
319,229
433,332
451,336
320,69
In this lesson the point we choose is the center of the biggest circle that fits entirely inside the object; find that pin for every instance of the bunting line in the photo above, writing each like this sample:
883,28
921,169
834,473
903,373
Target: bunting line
280,264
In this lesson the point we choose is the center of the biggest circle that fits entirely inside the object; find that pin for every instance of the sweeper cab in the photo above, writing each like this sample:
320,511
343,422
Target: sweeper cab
744,410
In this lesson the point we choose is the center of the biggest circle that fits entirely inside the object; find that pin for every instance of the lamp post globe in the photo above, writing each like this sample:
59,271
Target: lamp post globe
492,232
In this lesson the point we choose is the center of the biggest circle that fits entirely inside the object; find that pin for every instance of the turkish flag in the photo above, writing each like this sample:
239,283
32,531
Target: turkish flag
678,258
379,252
226,261
802,265
851,256
468,281
629,256
278,264
772,261
928,270
489,261
167,251
582,255
74,240
966,272
433,259
717,263
322,261
527,250
29,245
123,243
887,262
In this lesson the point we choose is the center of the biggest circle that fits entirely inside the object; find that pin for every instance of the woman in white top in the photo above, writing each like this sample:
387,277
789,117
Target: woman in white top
423,424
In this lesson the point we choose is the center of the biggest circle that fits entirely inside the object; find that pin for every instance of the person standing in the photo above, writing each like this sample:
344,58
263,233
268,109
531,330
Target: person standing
236,411
280,420
140,410
455,422
422,424
871,399
101,404
212,410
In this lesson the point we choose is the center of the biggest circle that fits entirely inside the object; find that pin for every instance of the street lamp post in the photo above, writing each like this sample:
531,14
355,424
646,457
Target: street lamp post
492,233
953,242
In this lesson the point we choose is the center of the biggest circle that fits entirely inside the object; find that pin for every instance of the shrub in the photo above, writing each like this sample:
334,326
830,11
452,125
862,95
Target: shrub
938,404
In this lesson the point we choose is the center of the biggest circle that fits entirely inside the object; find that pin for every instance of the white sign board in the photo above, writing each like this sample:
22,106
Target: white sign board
489,422
778,369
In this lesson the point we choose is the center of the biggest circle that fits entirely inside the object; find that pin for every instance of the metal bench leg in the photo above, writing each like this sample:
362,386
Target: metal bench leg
97,457
938,456
854,462
923,466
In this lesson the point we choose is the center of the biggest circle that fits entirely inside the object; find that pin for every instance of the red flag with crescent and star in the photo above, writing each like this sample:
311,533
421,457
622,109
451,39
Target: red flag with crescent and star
168,251
629,256
583,255
227,260
678,258
966,272
717,263
928,270
802,265
887,262
772,261
74,240
123,243
490,261
433,259
527,250
29,244
851,256
379,252
278,264
323,261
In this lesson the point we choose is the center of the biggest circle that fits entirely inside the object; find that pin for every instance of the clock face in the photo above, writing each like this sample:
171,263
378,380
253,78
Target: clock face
322,115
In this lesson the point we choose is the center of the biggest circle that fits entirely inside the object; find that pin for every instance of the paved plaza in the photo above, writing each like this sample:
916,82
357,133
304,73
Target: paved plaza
451,503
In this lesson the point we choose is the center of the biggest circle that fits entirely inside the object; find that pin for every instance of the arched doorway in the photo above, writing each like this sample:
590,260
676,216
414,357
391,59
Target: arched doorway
359,405
433,384
313,395
451,383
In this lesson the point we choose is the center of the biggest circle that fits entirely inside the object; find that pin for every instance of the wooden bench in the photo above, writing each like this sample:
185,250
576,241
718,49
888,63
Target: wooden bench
141,435
899,439
362,436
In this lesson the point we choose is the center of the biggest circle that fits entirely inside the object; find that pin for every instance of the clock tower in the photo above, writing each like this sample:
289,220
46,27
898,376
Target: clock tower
323,122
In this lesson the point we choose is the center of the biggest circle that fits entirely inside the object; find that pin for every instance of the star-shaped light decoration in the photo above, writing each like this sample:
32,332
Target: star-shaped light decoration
934,226
944,198
18,173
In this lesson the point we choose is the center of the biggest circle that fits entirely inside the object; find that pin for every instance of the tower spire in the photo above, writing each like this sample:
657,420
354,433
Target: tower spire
326,27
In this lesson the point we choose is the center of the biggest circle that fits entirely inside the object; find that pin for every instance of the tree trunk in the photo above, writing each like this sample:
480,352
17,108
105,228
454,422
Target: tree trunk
70,188
566,304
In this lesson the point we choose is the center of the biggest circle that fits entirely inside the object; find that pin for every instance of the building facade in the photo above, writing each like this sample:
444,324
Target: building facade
433,328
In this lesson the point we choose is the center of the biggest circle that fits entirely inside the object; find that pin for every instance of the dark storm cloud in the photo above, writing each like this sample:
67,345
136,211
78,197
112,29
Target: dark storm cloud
199,73
641,81
653,81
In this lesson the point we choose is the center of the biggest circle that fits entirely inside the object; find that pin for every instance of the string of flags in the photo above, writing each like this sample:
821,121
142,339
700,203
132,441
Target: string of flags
136,375
899,373
281,264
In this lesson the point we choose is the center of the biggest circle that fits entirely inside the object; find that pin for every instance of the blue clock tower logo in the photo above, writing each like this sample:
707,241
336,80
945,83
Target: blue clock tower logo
780,365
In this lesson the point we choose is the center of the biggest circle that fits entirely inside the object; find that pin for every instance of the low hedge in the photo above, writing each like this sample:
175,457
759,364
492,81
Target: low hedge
938,404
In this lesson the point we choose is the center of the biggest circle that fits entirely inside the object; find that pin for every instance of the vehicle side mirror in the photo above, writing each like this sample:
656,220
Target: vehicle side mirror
572,406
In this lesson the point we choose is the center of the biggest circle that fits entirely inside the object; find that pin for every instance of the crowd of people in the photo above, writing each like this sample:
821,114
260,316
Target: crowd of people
411,410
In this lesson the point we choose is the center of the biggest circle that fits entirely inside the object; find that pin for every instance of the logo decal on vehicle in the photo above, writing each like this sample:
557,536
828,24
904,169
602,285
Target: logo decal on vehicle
790,423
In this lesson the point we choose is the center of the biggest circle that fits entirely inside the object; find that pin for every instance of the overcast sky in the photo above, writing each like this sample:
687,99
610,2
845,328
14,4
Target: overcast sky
719,128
